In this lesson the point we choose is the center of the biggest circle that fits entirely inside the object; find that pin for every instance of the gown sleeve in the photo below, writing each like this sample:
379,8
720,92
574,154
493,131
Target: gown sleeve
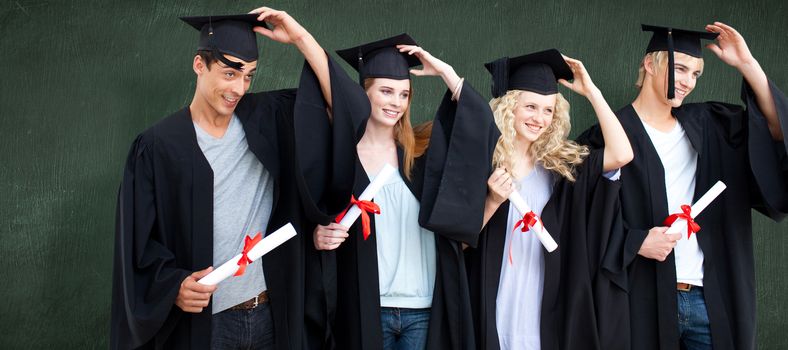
601,206
458,162
745,128
327,148
146,279
326,152
312,132
624,242
592,220
768,160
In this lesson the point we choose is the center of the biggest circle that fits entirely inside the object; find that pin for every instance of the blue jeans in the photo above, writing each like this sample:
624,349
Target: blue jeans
404,329
694,329
243,329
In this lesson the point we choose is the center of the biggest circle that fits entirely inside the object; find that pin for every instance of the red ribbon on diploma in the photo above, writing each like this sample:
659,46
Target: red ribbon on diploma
249,243
366,207
692,226
529,220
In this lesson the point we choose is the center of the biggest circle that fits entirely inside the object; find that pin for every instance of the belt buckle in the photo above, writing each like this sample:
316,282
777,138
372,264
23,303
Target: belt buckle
256,301
689,288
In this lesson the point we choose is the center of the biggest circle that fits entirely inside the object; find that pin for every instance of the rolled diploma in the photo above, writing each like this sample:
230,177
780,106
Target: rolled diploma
369,193
541,232
680,225
261,248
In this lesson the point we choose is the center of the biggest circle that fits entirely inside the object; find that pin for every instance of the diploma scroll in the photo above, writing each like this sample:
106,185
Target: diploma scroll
680,225
353,213
538,229
268,243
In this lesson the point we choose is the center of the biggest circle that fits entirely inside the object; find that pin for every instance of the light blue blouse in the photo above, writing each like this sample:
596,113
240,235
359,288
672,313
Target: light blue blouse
406,251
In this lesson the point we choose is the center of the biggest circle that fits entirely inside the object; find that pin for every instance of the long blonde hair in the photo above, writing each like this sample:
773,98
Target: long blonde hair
414,142
551,149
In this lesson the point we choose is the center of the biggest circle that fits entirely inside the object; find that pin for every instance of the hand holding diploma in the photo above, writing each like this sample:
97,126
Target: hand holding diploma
684,222
363,205
532,222
192,296
254,248
332,236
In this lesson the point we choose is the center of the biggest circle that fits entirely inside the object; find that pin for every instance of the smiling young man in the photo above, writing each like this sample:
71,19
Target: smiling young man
696,291
198,182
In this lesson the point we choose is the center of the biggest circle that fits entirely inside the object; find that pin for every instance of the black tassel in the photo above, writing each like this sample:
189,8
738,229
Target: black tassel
500,73
360,68
218,55
671,67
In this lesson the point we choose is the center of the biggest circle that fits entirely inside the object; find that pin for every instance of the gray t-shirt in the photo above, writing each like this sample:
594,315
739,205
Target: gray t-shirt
242,201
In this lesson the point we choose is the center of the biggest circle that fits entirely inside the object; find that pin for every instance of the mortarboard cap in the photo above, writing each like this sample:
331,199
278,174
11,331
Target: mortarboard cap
381,59
536,72
228,35
675,40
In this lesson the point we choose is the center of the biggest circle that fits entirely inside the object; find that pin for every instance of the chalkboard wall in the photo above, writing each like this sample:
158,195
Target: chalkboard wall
80,79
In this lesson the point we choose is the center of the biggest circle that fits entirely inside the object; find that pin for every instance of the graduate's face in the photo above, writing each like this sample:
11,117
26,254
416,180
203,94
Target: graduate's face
221,87
389,99
532,115
687,70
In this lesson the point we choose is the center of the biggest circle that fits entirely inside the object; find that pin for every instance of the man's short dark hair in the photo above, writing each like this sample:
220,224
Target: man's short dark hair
207,57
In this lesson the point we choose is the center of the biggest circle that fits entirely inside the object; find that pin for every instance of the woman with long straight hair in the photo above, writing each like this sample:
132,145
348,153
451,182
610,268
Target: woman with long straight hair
400,279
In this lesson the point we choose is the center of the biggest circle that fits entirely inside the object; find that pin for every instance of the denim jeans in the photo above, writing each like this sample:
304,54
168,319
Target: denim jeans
404,329
243,329
694,329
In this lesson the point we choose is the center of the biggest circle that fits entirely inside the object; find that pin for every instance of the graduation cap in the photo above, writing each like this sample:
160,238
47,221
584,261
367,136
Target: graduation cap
228,35
536,72
672,40
381,59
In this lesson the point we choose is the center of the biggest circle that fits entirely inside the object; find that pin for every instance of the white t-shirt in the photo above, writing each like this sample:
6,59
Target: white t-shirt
680,161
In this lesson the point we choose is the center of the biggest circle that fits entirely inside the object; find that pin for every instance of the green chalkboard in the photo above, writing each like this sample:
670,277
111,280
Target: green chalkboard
81,78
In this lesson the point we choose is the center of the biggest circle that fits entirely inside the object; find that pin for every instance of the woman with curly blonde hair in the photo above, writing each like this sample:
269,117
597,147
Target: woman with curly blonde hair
524,297
553,150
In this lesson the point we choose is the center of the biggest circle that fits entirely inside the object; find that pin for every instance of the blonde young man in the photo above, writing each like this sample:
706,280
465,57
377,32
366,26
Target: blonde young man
696,290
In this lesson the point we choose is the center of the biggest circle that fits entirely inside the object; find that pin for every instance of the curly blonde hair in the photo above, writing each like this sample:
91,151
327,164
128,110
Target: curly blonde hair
551,149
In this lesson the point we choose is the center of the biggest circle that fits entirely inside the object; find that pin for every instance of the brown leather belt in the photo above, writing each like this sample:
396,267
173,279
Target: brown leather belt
261,298
685,287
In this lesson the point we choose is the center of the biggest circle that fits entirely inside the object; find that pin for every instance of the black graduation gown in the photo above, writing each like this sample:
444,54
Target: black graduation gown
734,146
449,181
580,304
164,227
